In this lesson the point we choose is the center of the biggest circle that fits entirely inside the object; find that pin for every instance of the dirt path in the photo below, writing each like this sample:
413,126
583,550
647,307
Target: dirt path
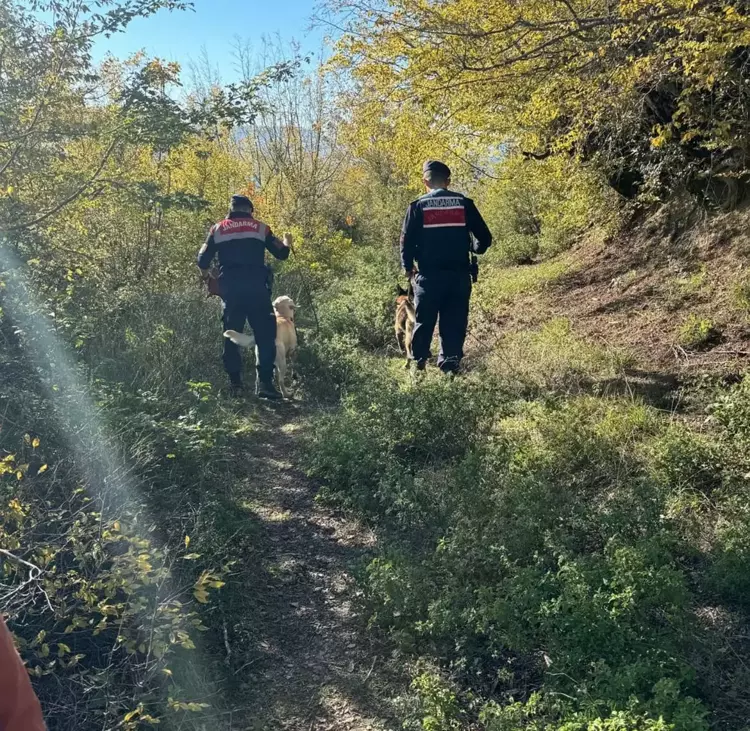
297,648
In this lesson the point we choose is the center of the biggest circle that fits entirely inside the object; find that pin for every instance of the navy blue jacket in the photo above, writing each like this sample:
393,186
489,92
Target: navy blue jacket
437,233
240,242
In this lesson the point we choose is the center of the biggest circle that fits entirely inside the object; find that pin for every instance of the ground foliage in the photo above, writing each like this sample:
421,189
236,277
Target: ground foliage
549,558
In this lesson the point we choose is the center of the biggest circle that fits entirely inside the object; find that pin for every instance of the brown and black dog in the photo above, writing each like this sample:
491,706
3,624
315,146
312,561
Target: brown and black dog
405,320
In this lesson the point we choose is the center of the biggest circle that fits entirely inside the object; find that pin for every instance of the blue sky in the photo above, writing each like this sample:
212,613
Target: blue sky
213,25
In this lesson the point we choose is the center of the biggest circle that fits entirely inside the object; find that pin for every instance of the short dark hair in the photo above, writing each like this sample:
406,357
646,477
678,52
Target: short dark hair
435,172
241,203
434,178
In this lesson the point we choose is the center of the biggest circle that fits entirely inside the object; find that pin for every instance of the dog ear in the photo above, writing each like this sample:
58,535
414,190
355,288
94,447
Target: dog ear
401,291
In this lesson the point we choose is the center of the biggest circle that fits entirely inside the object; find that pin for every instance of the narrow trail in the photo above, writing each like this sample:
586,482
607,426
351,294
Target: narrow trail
298,650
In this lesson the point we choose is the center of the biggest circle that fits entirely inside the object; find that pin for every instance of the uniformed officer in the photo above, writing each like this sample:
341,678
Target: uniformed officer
240,242
437,235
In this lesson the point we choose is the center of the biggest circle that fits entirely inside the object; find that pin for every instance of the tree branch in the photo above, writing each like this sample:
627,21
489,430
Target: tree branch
67,201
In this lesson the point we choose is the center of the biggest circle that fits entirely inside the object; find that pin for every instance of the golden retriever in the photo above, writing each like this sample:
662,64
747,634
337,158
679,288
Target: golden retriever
286,339
405,321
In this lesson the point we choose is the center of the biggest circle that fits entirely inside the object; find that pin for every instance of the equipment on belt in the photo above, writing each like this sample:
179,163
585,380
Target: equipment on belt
474,269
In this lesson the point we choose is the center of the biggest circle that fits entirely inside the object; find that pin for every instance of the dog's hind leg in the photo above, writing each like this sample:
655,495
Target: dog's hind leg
407,343
281,371
401,340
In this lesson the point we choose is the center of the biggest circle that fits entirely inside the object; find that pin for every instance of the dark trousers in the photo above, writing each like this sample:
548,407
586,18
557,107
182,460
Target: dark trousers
444,296
257,310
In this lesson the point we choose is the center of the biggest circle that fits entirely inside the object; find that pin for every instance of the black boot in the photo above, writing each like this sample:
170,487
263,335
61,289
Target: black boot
451,366
236,388
266,389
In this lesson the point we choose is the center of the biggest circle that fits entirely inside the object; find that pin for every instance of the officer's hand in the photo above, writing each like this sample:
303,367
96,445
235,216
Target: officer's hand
288,240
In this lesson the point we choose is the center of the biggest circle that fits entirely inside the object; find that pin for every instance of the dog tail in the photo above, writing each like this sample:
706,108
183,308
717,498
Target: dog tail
244,341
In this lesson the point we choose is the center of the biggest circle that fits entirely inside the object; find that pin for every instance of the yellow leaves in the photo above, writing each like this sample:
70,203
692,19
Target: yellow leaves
182,639
201,594
663,136
175,705
187,541
101,627
17,510
206,581
7,464
130,716
78,622
144,564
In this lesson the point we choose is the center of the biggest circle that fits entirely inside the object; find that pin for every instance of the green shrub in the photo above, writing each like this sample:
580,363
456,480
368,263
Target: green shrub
539,208
546,532
332,367
99,496
683,460
697,333
440,709
361,306
386,425
544,712
101,626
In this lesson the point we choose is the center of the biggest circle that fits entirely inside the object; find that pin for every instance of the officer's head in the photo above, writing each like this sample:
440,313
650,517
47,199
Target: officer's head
241,204
436,174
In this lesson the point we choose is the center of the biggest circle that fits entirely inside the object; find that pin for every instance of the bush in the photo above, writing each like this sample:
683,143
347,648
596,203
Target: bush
385,426
731,409
536,541
100,619
697,333
544,712
537,209
361,306
104,591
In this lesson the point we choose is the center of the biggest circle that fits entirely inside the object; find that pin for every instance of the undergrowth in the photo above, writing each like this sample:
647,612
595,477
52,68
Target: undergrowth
116,540
567,562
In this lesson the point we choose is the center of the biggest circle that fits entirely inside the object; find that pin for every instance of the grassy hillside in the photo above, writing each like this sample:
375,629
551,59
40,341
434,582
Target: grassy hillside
559,540
562,532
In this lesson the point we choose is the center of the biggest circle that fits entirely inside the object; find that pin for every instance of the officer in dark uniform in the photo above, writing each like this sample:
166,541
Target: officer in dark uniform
240,242
437,235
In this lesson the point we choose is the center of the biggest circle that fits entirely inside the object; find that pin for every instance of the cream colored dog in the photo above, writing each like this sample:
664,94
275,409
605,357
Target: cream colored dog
286,339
